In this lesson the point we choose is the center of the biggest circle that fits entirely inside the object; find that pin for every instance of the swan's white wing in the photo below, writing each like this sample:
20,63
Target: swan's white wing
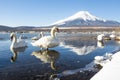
42,41
46,42
54,42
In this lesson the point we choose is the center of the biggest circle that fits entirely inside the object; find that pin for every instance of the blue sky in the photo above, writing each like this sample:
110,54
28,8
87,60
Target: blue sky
44,12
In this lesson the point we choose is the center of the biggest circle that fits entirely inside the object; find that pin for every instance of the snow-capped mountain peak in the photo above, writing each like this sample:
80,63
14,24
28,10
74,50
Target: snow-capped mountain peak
83,15
84,18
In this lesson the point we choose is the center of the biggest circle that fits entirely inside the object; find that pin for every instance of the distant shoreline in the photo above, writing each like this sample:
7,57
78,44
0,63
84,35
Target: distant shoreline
65,29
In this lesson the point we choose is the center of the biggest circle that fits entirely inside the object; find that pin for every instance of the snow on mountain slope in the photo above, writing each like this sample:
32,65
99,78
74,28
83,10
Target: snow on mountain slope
83,15
84,18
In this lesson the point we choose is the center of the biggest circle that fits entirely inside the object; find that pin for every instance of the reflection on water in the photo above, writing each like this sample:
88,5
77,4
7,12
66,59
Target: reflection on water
15,52
47,56
76,52
100,44
84,50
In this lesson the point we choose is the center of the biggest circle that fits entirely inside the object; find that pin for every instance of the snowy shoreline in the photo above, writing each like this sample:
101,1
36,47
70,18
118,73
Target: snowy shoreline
110,70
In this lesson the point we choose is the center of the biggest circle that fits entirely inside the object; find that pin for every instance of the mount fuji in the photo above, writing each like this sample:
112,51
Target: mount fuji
84,18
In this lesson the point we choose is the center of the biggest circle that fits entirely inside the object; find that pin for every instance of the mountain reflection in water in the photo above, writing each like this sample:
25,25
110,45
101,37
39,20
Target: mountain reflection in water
84,50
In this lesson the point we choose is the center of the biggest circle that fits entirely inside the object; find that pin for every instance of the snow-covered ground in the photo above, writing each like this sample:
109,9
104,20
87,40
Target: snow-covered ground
110,70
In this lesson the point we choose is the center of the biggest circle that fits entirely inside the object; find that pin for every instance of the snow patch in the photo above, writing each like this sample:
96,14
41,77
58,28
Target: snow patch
102,60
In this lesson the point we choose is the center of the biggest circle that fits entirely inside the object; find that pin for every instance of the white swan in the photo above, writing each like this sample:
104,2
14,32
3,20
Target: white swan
48,41
100,37
15,43
47,56
38,37
112,36
15,52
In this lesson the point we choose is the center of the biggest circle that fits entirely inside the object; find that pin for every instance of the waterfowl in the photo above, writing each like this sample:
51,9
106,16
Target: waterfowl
48,41
100,37
15,43
112,36
37,37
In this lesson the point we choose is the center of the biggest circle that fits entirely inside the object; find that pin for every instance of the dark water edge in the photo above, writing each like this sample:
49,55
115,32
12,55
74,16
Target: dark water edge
84,75
36,75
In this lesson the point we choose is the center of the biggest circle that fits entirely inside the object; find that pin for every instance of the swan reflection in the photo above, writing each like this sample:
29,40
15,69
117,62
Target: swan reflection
47,56
15,52
100,44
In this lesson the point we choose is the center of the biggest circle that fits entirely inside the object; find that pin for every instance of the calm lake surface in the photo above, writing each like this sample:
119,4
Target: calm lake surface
75,51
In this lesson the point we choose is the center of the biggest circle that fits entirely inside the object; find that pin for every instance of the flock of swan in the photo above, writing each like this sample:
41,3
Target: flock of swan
102,37
51,40
47,56
43,42
46,42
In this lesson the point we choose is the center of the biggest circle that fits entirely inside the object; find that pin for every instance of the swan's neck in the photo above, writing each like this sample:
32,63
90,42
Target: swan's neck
41,34
13,41
53,33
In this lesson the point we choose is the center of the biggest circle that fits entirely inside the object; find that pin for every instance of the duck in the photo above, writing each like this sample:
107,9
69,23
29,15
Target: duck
48,41
38,37
47,56
15,52
15,43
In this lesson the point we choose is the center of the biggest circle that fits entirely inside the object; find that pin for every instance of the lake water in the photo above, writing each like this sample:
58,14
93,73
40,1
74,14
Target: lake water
75,51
